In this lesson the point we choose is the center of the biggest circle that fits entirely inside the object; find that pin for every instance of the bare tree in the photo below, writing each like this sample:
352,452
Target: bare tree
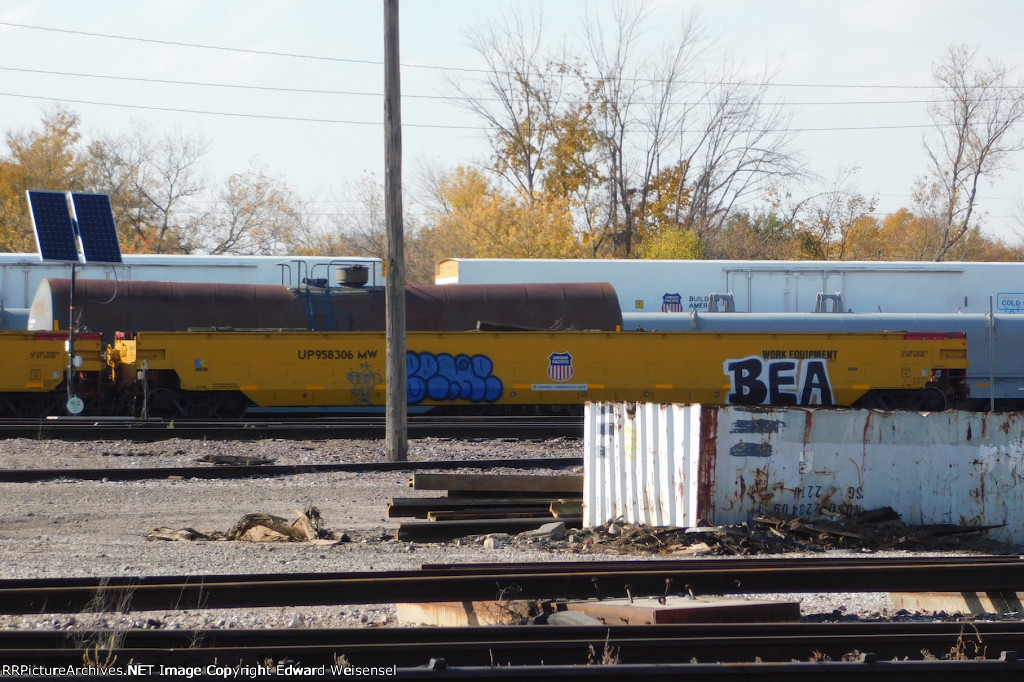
608,128
153,181
521,96
975,119
733,148
638,105
362,229
362,223
255,214
831,217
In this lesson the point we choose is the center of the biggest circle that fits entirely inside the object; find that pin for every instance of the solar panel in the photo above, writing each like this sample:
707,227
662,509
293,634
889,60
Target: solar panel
96,228
51,219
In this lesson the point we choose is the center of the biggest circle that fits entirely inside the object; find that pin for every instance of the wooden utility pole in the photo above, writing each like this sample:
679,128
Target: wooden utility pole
397,401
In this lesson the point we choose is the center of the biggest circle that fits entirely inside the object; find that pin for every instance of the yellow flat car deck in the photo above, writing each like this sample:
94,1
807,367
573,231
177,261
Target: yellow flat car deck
276,369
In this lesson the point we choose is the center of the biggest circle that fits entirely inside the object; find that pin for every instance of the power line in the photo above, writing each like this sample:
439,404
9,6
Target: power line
353,93
236,86
201,46
435,126
372,62
271,117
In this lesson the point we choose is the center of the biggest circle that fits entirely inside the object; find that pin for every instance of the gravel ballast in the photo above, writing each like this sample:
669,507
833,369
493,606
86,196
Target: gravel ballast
66,527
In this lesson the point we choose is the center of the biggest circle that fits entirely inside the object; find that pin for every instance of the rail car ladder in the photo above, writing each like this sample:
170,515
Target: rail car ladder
319,308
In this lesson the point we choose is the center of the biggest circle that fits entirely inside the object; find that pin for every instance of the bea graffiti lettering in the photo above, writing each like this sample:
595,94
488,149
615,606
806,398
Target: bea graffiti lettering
756,381
442,376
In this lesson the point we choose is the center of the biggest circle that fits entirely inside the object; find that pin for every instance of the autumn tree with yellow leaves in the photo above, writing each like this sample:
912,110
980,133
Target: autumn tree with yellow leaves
46,159
161,199
481,222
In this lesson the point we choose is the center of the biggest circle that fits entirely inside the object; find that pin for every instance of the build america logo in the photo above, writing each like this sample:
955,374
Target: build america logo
560,367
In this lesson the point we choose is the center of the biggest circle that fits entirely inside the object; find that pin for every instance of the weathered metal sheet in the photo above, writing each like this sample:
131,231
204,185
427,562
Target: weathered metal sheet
640,463
931,468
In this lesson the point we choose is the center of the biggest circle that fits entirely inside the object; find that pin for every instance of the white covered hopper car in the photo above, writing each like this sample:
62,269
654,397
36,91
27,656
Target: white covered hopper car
685,286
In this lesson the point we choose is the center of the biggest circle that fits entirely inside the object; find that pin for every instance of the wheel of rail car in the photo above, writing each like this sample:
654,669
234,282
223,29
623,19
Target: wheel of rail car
164,403
229,406
931,399
878,400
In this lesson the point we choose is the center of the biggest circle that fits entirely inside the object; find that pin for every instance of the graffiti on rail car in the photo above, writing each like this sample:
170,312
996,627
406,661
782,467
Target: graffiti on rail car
442,376
755,380
364,381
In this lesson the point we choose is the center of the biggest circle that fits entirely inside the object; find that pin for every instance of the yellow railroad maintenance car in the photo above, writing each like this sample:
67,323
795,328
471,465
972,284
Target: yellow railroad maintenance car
229,373
34,369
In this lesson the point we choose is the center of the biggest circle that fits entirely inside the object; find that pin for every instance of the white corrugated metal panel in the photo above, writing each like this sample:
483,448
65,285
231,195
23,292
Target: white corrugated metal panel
931,468
641,463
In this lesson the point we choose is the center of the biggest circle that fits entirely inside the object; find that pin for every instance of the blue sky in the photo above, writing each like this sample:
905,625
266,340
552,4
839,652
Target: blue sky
296,86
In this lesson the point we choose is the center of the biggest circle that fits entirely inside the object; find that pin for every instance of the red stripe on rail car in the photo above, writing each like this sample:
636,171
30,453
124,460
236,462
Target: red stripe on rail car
935,335
63,336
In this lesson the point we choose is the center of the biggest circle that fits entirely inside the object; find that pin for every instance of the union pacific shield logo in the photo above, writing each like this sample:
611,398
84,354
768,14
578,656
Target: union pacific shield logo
560,367
671,303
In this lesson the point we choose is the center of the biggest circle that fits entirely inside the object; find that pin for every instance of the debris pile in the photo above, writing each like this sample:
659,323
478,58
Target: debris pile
871,531
259,527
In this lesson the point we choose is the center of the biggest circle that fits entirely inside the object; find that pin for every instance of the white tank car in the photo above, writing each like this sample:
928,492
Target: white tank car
684,286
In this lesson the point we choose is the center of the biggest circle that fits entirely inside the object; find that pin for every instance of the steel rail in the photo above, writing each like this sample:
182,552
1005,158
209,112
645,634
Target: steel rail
749,562
218,471
899,671
535,651
540,567
416,586
370,426
525,645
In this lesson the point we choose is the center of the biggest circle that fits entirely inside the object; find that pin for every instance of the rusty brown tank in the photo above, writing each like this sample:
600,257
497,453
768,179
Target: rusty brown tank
108,306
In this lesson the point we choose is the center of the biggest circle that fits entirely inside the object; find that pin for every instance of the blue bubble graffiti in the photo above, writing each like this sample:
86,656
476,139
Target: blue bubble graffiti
443,377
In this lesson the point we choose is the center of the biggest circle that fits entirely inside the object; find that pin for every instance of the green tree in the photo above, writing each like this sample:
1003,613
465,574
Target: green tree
762,235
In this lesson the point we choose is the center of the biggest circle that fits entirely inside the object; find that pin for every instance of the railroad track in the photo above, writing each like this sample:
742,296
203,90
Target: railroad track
748,651
518,645
247,471
528,581
368,426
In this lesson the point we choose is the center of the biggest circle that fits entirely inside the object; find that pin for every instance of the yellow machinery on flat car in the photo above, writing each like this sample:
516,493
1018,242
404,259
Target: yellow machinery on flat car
34,368
211,373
